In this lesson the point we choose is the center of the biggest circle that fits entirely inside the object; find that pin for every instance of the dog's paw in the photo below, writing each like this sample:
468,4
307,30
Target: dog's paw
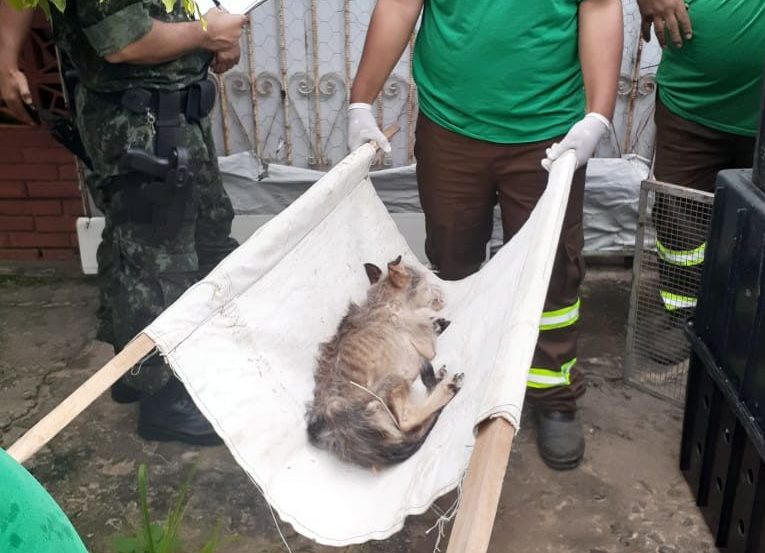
456,383
441,373
440,325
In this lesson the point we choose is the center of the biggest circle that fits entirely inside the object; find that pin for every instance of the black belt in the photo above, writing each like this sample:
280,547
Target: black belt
194,101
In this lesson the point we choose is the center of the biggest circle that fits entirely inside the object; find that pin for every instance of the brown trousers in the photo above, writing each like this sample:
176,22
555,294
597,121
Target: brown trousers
460,181
690,155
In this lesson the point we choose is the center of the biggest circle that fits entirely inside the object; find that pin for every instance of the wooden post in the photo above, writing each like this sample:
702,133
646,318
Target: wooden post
482,488
65,412
389,132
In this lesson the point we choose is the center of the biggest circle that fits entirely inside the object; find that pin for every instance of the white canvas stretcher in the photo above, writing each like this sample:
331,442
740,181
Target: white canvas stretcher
244,339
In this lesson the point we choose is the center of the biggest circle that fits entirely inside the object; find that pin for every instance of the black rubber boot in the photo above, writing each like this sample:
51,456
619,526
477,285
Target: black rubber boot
124,393
170,414
665,337
560,439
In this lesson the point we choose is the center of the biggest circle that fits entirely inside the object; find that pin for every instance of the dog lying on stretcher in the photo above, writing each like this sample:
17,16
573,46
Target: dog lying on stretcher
363,409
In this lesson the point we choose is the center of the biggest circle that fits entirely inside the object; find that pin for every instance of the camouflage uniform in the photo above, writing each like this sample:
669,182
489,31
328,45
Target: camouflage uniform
141,270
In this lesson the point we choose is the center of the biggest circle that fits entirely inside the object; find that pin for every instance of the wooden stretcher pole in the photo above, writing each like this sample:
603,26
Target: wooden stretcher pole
388,132
65,412
482,488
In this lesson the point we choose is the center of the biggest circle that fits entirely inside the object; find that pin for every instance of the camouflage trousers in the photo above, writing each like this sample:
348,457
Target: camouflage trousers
142,270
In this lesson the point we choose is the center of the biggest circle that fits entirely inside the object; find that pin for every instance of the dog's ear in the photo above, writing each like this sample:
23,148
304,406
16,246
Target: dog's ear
398,274
373,272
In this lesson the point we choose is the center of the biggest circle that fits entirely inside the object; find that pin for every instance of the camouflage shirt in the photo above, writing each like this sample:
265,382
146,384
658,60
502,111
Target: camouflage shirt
89,30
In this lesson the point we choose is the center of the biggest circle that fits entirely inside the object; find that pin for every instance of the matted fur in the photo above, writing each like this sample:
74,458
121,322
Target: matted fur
381,347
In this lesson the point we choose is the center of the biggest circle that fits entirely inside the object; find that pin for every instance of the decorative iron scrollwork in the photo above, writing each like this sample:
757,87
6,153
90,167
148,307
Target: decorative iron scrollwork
647,84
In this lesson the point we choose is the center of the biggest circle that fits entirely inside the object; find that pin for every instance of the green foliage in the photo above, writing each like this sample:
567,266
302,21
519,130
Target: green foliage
156,537
189,6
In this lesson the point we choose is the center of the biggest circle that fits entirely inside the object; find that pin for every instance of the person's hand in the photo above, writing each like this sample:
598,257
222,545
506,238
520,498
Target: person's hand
582,138
223,29
226,59
362,127
666,16
14,93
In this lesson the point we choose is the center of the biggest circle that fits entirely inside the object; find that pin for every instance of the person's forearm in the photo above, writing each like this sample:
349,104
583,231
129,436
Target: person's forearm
601,37
165,42
391,26
14,27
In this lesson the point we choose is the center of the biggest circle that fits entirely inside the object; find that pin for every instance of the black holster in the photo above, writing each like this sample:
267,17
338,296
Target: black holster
165,198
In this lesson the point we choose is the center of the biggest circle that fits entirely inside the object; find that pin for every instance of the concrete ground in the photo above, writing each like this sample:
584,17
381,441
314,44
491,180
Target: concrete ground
628,496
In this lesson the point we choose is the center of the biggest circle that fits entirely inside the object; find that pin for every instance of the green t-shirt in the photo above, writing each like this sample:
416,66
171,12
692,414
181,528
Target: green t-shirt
30,520
715,79
504,71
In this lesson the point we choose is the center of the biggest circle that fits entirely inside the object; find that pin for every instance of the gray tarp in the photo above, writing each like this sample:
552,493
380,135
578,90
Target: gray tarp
610,207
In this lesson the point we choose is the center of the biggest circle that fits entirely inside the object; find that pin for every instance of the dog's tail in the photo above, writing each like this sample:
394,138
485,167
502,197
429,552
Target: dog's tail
356,435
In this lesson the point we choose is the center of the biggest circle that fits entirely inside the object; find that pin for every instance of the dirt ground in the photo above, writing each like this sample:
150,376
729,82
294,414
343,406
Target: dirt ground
628,496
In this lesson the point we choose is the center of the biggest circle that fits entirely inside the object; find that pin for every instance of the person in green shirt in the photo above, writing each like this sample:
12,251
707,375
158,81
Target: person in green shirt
504,88
707,105
30,520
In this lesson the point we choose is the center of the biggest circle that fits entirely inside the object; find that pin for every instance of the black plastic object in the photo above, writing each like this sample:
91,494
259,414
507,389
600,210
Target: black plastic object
731,310
717,496
722,454
701,410
748,514
758,175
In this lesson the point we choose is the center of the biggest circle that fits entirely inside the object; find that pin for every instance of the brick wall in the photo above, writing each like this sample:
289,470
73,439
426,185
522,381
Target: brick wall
40,198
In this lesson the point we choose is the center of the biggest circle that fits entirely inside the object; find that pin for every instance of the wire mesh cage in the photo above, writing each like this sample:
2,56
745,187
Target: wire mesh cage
670,244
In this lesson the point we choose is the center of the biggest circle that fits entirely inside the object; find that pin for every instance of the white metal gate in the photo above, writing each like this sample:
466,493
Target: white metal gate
286,100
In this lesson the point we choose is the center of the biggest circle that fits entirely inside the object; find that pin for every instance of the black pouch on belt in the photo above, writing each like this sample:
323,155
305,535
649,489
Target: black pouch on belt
200,100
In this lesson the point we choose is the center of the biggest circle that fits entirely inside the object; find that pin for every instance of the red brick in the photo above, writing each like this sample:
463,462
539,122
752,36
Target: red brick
53,189
59,254
18,137
28,171
65,223
14,222
4,240
73,207
12,189
45,155
39,239
8,155
68,172
30,207
16,254
74,241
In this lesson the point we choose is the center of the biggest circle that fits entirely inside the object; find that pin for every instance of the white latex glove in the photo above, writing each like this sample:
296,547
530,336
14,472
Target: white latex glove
362,128
582,138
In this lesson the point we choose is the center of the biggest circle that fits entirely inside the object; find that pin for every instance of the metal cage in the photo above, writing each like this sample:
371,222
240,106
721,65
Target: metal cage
681,215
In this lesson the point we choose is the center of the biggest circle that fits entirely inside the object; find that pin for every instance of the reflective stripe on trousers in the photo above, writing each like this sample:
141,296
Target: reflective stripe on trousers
681,258
544,378
673,302
560,318
553,320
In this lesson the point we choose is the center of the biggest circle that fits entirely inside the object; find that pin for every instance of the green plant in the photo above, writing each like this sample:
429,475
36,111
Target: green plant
155,537
189,6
